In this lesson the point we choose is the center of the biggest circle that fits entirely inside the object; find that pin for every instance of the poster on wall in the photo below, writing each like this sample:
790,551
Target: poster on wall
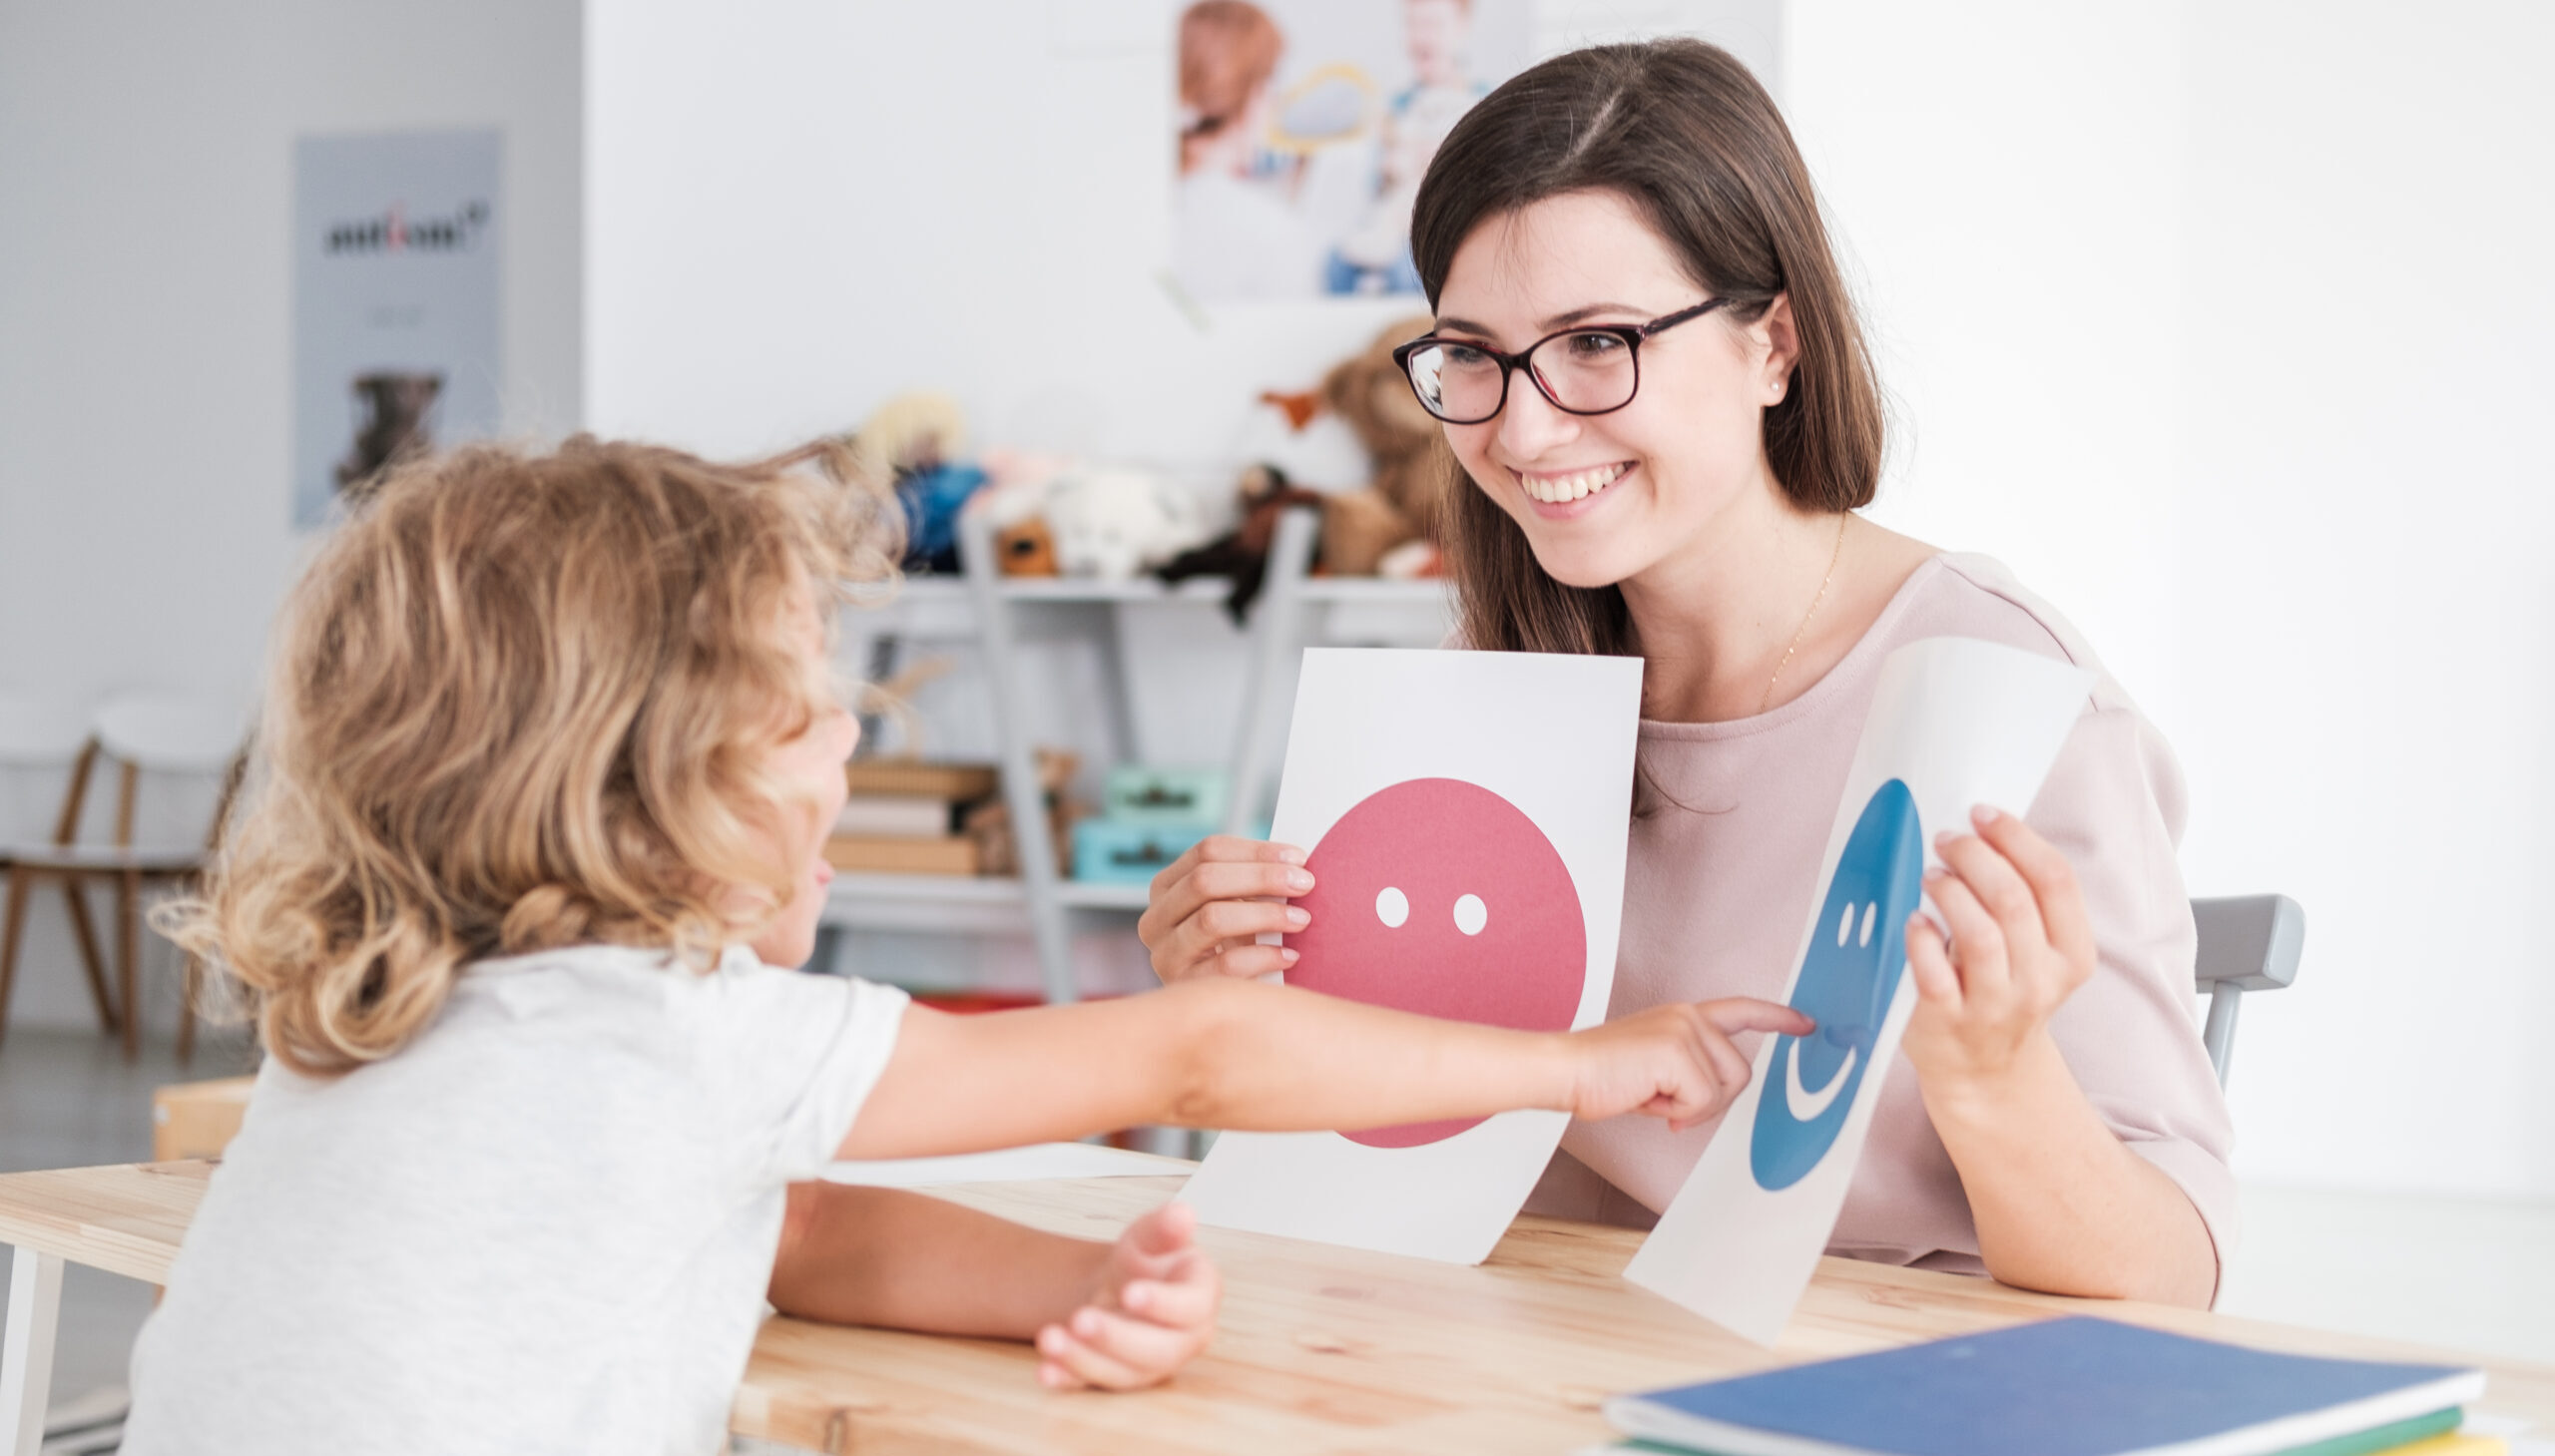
1456,874
1955,722
1303,130
397,240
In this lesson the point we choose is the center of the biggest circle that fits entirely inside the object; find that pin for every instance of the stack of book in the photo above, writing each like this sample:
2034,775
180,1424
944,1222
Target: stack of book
902,817
2064,1387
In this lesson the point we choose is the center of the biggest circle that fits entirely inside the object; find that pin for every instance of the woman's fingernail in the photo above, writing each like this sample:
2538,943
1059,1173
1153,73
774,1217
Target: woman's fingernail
1300,880
1983,816
1289,956
1298,919
1290,855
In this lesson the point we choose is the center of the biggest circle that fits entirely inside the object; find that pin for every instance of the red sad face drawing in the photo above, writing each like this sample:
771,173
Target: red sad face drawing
1440,897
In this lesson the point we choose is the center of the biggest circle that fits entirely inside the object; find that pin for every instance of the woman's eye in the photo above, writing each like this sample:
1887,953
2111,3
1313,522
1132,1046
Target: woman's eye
1595,347
1463,356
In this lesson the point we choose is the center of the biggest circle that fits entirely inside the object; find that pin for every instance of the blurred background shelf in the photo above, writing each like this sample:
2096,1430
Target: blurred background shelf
991,619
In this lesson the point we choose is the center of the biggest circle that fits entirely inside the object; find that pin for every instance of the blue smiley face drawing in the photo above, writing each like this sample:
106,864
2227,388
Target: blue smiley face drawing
1857,951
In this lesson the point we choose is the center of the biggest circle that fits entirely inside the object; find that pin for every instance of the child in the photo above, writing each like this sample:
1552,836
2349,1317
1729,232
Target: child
550,754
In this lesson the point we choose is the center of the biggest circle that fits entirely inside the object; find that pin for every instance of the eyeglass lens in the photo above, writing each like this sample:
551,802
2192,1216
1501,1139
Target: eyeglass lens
1585,374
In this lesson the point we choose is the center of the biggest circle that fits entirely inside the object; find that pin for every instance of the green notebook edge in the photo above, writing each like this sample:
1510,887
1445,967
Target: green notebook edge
2370,1442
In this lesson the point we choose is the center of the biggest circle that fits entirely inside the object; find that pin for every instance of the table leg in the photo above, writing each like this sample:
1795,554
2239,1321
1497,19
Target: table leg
26,1349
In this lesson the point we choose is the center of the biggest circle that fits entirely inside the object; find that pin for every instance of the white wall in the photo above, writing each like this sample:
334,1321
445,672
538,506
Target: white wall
144,329
2224,324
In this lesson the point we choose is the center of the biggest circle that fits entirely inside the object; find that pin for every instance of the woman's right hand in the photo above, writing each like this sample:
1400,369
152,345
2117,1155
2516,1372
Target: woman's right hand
1210,908
1674,1061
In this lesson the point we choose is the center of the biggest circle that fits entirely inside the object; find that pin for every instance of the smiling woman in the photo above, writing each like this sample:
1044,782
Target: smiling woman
1631,229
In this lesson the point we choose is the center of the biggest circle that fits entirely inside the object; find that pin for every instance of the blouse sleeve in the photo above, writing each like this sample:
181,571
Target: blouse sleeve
2114,805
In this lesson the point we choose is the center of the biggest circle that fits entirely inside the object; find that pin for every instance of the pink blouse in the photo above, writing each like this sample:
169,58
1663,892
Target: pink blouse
1715,893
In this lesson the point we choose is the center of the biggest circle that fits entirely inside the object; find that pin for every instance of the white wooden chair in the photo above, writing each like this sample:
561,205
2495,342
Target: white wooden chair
47,735
138,733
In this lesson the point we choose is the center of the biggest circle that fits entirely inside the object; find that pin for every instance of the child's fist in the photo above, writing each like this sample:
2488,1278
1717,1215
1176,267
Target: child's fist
1151,1309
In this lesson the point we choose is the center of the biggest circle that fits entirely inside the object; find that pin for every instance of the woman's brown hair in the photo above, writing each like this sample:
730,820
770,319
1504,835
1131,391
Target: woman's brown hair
1682,130
518,701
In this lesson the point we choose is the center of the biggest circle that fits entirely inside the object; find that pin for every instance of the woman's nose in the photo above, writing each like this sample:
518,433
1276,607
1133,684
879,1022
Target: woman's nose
1531,425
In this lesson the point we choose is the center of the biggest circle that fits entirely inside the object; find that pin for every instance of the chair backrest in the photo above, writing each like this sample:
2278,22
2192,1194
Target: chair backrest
2247,943
163,732
38,731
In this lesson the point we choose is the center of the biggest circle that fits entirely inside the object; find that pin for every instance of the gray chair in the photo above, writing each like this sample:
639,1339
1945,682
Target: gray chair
2247,943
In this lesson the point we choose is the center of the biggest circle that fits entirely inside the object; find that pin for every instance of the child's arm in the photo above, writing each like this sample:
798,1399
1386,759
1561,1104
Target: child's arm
1117,1315
1239,1055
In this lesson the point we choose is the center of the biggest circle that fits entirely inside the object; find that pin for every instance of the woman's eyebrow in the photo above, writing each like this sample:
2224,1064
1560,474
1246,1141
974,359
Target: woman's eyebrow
1558,320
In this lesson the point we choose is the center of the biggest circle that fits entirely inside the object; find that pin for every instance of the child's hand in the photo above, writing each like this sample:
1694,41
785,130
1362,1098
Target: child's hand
2021,943
1674,1061
1152,1308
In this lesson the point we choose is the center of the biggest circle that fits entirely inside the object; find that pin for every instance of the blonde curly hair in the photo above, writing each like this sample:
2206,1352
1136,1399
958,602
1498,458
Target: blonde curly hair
522,701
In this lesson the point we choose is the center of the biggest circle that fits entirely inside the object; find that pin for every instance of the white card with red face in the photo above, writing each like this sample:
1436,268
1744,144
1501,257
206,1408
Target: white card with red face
1464,815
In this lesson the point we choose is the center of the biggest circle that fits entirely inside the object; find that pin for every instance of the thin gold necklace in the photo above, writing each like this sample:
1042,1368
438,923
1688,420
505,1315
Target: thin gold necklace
1833,556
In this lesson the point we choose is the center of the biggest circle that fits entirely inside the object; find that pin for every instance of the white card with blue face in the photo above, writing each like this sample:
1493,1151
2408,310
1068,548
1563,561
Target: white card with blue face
1955,722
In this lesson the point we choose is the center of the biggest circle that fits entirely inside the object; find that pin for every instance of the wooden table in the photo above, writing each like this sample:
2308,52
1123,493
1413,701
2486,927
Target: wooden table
1320,1350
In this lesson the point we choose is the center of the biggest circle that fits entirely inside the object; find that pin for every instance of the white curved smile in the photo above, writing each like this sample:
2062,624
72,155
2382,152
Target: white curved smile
1805,1105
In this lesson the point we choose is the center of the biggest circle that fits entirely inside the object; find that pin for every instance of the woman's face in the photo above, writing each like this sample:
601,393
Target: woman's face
809,767
1605,498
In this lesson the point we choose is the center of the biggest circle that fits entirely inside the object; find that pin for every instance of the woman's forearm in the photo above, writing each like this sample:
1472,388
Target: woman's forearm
903,1260
2061,1206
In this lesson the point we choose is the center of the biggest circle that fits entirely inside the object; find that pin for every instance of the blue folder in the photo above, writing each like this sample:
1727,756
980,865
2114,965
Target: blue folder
2061,1387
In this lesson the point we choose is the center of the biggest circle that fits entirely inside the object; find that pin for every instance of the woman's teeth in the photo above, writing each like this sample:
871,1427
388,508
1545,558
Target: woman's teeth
1555,490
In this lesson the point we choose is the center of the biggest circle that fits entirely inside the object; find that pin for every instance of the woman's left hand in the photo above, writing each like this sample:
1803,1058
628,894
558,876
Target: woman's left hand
2021,943
1152,1308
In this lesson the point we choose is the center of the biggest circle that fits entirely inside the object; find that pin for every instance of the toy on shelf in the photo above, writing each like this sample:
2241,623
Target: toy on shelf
1153,817
989,823
1243,553
1405,488
1108,522
909,445
1386,527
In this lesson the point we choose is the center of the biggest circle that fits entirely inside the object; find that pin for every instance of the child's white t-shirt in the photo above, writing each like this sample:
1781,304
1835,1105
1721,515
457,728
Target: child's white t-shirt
545,1225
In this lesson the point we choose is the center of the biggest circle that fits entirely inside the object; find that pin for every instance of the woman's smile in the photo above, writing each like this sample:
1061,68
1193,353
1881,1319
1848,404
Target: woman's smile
1564,493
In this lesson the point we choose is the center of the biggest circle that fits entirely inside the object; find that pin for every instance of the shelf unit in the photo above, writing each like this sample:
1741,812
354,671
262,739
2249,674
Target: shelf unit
984,607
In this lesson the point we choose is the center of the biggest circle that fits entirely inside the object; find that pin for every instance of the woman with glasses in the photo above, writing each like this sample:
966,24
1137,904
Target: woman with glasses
1649,369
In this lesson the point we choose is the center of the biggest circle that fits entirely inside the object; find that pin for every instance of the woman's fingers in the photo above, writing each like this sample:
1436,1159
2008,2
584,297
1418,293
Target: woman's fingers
1998,885
1221,866
1978,942
2052,880
1210,906
1930,962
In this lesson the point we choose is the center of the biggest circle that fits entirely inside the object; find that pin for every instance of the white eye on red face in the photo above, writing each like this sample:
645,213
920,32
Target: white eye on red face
1392,907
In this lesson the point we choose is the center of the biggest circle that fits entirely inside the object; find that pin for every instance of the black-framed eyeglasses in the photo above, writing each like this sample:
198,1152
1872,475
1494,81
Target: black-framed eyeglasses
1595,369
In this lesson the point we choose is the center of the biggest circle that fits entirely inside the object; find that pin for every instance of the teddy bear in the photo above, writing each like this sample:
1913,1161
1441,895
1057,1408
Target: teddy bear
1402,499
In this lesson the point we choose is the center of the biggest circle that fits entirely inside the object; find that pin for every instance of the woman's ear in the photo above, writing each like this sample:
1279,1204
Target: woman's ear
1781,342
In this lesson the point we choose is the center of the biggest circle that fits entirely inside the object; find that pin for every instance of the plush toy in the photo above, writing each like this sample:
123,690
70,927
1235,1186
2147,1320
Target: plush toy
908,444
1243,553
1401,500
1025,547
1112,522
